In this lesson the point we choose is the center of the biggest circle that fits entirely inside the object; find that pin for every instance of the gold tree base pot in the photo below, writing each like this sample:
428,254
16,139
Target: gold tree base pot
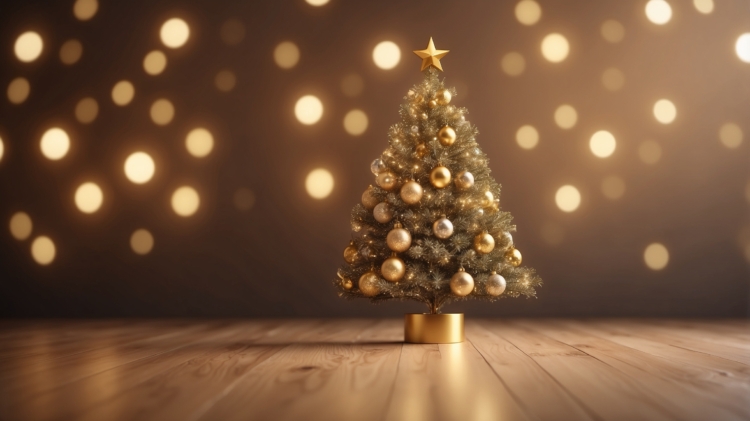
433,328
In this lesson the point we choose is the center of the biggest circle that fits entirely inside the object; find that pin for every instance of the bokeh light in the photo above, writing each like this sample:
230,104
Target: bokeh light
86,110
174,33
141,241
199,142
21,226
139,167
552,233
527,137
555,47
568,198
2,149
232,32
612,31
658,11
317,3
742,47
352,85
730,135
528,12
244,199
89,197
513,64
355,122
704,6
185,201
225,80
656,256
613,187
155,62
162,112
43,250
308,109
55,143
602,144
649,152
613,79
18,90
123,92
566,116
85,9
665,111
386,55
28,46
71,51
319,183
286,55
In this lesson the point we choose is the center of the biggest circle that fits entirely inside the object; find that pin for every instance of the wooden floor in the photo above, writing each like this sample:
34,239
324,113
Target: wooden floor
359,370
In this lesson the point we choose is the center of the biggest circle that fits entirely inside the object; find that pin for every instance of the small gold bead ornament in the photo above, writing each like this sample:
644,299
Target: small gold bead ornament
393,269
347,284
484,243
411,192
421,150
440,177
398,239
386,180
462,283
488,199
447,136
513,256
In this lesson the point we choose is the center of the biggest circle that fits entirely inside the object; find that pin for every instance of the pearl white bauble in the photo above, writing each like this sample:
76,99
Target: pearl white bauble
443,228
495,284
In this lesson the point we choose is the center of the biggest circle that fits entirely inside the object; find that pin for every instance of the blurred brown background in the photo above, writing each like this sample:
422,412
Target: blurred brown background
260,245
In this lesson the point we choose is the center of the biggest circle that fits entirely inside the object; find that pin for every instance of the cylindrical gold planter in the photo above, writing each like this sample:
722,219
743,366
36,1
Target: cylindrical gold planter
433,328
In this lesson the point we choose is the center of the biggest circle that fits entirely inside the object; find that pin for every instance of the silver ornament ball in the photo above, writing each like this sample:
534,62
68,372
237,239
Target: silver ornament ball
495,284
377,166
443,228
464,180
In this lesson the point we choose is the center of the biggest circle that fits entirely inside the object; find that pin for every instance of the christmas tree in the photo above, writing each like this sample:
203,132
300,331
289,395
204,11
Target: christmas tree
431,228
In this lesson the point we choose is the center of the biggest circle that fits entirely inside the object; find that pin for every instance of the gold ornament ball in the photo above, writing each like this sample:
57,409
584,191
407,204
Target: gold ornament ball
462,283
484,243
368,200
447,136
487,199
383,212
386,180
398,239
443,97
393,269
440,177
432,103
351,253
495,284
411,192
464,180
347,284
369,284
421,150
513,256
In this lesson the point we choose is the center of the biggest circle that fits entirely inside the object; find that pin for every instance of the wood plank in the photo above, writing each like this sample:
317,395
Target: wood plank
693,331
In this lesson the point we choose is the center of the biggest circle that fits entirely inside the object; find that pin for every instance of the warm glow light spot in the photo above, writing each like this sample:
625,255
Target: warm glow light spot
308,109
602,144
566,116
513,64
199,142
613,187
649,152
317,3
155,62
730,135
704,6
55,143
86,110
355,122
232,32
568,198
185,201
139,167
244,199
613,79
71,51
141,241
18,90
225,80
319,183
656,256
122,93
28,46
2,149
20,226
742,47
386,55
85,9
43,250
552,233
658,11
89,197
527,137
162,112
555,47
286,55
665,111
613,31
174,33
352,85
528,12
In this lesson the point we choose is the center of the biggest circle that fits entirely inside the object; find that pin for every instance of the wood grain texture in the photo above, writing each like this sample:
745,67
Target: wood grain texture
359,369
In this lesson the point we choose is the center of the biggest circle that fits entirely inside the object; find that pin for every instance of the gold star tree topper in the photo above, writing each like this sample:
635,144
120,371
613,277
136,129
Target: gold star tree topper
430,56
